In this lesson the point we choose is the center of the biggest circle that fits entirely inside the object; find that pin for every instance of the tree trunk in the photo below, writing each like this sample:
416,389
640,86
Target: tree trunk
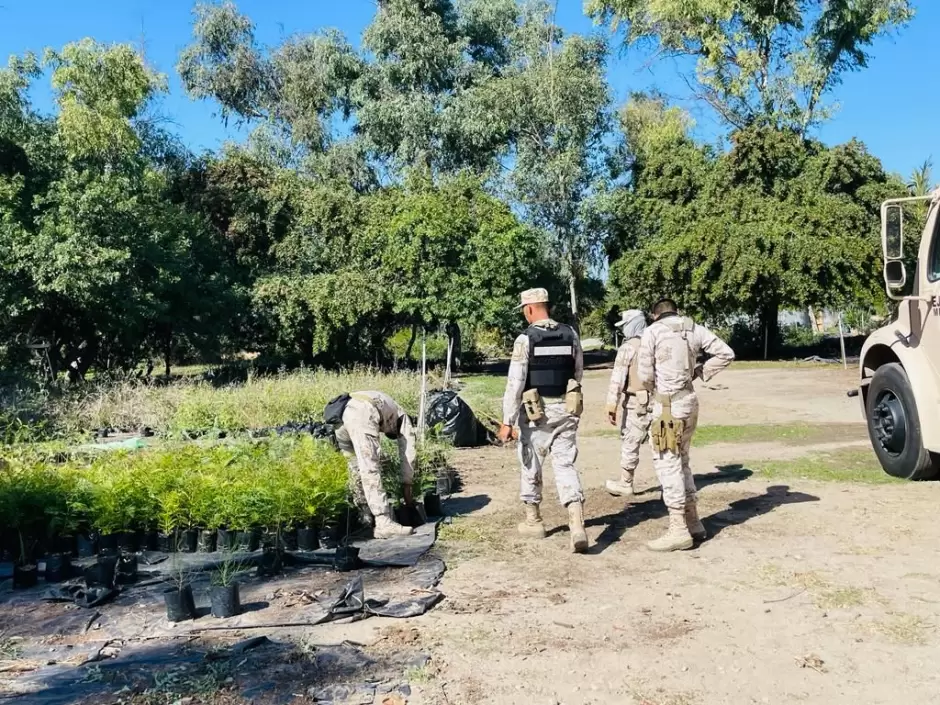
305,343
167,350
574,303
453,332
411,343
770,327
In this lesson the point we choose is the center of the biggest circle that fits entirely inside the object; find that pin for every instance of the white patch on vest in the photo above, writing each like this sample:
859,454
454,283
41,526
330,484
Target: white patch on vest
556,350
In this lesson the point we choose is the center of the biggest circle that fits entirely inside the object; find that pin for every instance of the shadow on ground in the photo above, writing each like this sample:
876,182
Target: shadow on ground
465,505
743,510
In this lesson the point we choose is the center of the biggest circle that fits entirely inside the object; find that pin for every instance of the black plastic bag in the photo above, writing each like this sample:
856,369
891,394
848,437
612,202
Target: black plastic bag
455,419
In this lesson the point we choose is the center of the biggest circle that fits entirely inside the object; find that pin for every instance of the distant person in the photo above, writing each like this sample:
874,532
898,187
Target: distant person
359,418
627,393
669,352
543,393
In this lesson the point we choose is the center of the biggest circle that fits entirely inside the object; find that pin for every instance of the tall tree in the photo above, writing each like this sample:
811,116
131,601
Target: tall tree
556,97
761,60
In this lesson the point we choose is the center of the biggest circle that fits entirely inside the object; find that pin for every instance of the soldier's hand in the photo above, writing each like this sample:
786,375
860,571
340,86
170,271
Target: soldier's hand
612,417
505,433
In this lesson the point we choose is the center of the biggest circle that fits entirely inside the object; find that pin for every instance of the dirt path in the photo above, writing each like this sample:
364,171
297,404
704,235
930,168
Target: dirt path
807,592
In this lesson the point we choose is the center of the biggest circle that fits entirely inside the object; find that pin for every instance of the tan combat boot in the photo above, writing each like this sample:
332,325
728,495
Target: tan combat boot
579,539
385,528
532,527
622,487
694,524
676,538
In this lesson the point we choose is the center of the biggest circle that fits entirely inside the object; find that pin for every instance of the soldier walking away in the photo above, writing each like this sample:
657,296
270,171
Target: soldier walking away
358,419
626,392
669,352
543,393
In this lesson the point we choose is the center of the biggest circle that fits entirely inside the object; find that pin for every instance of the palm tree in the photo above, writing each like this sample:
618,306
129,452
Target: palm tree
921,183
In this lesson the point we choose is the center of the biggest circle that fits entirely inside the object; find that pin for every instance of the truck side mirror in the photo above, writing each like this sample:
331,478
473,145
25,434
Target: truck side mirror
892,232
895,274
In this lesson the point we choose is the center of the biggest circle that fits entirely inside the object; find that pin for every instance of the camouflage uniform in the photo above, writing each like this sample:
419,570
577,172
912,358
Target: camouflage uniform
367,415
668,356
556,434
626,386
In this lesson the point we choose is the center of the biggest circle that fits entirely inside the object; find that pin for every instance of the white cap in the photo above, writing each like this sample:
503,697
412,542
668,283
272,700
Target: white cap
627,316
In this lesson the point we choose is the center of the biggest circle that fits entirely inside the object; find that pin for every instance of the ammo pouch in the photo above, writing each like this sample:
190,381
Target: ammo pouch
666,431
532,401
333,413
574,399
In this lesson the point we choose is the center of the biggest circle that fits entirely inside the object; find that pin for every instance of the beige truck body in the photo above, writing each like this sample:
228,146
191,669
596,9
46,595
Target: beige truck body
911,341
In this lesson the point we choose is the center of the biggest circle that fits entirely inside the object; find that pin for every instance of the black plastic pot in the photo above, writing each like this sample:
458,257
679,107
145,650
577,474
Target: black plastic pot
189,541
288,540
248,540
270,563
224,601
408,515
126,569
167,543
206,541
346,558
65,545
58,568
180,604
127,542
307,539
150,541
25,576
226,540
102,572
86,545
330,536
432,504
108,545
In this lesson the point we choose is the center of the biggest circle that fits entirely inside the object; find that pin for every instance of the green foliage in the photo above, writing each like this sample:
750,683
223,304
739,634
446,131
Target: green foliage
761,62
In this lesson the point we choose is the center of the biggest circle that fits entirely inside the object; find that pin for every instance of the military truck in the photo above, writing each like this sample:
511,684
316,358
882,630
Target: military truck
899,368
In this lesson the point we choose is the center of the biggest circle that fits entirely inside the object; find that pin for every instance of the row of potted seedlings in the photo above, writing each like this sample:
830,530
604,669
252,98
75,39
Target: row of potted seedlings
288,493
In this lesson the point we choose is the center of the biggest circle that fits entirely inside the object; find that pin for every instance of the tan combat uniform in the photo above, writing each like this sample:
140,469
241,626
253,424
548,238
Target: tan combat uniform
556,434
668,355
367,415
626,387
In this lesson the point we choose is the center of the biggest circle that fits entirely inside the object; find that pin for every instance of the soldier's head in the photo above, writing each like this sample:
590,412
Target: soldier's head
534,305
664,307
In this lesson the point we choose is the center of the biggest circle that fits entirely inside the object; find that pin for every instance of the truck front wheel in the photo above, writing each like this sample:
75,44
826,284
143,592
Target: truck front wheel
894,425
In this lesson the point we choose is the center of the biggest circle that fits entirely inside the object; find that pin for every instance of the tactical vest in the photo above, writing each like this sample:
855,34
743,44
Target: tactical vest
634,386
551,360
683,327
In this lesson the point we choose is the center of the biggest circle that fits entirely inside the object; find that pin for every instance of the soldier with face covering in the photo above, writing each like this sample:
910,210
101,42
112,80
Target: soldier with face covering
627,393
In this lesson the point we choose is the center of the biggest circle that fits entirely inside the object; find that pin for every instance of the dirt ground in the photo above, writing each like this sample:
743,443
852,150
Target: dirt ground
805,592
809,592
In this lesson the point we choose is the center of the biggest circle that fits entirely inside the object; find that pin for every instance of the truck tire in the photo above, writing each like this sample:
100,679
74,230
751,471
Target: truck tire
894,425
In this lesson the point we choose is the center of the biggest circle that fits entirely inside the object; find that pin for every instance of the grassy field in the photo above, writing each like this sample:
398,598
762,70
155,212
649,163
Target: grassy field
844,465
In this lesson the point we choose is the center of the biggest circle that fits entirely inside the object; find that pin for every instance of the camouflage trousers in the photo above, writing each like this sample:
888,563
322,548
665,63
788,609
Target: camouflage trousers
359,440
673,469
556,435
634,431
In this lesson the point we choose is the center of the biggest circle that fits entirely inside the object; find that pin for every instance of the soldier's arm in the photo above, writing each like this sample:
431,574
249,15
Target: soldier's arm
618,378
719,353
578,357
646,365
515,383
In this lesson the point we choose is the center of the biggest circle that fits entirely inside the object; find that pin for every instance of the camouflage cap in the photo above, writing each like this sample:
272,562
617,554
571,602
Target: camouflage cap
533,296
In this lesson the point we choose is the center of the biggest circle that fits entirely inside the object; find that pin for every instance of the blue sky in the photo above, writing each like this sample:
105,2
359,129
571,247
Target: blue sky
890,106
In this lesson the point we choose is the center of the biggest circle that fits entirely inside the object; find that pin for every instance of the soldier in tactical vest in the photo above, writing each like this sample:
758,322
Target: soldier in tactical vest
668,362
358,419
543,393
626,392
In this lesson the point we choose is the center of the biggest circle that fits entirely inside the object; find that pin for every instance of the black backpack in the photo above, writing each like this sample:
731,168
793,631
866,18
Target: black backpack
333,413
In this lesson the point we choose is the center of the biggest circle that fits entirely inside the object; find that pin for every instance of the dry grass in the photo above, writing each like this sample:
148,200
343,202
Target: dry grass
905,629
189,405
